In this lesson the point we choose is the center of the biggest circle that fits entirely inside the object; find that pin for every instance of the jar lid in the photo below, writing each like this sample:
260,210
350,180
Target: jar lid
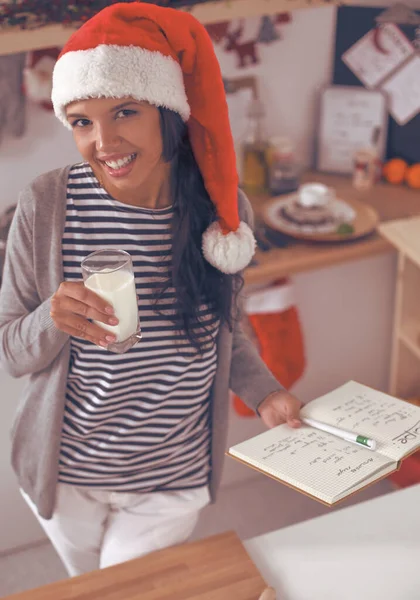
282,144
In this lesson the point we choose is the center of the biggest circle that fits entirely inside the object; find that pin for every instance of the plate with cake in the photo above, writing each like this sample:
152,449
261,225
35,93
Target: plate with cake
314,212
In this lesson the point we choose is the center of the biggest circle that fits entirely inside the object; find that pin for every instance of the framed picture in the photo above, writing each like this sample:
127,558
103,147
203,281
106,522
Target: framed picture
240,93
350,118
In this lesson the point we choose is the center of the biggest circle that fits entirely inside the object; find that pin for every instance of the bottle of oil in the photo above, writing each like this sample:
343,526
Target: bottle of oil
255,152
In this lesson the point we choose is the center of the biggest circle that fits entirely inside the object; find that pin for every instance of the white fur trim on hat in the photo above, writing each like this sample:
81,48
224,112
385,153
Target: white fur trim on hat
229,252
110,71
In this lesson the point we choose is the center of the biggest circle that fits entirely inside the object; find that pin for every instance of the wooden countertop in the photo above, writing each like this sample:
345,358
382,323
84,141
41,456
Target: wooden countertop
391,202
215,568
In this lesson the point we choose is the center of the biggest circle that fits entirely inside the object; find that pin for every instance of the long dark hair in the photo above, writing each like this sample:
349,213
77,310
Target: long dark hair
194,279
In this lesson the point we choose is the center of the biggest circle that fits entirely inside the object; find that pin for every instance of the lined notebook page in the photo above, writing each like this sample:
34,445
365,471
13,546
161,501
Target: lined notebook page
316,462
393,423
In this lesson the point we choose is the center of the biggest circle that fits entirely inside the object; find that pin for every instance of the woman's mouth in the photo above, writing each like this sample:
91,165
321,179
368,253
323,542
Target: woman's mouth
120,167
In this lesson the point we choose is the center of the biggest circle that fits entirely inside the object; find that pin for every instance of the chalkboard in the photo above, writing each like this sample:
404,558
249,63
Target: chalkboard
353,22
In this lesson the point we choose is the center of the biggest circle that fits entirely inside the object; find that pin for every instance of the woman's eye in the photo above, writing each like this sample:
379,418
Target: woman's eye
81,123
125,112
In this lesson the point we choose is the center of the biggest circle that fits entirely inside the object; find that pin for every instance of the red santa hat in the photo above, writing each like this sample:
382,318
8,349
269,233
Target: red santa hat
165,57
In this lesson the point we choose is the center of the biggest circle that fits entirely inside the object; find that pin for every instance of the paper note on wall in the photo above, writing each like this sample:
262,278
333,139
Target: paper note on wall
378,53
403,91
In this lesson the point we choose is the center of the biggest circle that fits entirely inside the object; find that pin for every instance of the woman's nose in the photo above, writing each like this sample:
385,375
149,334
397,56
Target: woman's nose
106,138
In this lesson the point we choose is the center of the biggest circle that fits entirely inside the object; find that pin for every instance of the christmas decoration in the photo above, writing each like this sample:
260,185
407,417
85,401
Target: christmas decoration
30,14
12,101
282,18
267,33
217,31
274,324
246,51
37,76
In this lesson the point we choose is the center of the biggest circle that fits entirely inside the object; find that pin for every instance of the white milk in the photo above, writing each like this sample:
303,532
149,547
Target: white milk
119,289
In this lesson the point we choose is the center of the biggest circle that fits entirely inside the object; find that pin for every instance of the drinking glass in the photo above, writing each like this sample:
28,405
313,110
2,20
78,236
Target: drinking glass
109,273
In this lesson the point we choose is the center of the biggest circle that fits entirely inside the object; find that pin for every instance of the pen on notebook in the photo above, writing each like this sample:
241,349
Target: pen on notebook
349,436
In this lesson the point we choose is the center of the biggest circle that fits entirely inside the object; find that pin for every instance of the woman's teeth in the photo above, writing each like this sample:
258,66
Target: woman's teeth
122,162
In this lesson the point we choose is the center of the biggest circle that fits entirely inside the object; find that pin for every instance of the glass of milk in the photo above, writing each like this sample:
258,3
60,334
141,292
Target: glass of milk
109,273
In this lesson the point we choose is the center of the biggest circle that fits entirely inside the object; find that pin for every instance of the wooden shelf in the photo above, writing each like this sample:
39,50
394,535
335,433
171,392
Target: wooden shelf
410,336
407,379
404,234
405,358
17,40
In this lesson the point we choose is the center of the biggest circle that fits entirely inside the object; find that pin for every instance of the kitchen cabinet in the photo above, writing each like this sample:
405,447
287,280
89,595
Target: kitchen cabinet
404,235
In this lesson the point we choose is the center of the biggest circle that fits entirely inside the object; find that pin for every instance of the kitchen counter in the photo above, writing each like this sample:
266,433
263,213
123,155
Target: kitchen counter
391,202
215,568
369,550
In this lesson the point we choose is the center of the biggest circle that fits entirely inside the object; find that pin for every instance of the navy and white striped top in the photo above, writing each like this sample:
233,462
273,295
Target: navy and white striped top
137,421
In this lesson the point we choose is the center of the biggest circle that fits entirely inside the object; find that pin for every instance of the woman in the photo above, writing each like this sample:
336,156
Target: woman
117,454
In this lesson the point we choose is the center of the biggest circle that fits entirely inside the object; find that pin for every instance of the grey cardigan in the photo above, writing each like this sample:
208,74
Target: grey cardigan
30,344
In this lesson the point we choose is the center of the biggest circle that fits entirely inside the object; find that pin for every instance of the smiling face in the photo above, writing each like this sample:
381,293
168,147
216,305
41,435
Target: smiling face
121,140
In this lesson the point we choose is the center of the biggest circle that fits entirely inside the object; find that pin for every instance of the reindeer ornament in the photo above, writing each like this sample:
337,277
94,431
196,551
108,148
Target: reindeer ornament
246,51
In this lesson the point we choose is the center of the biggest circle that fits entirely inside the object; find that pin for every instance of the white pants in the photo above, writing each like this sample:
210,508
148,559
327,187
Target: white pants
93,529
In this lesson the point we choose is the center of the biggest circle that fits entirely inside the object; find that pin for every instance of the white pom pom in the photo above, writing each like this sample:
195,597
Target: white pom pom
229,252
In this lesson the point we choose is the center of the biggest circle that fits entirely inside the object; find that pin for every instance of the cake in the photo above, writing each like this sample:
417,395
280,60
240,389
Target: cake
300,215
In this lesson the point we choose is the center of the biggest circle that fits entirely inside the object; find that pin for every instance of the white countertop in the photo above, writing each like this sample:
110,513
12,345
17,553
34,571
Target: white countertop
369,551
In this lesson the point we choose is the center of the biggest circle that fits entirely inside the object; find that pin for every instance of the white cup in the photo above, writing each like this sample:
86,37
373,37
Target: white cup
315,194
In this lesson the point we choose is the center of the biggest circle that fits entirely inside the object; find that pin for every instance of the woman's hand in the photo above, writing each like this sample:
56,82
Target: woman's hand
71,307
280,407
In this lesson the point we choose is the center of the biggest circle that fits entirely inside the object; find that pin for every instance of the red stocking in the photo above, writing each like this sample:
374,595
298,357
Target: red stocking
275,325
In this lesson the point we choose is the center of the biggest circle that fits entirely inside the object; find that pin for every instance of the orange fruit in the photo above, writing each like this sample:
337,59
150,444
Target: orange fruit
395,170
412,176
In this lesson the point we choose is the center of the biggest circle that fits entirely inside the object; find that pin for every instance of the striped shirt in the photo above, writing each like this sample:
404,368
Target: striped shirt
137,421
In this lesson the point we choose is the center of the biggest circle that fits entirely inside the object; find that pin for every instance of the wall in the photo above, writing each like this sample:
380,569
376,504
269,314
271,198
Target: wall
291,73
46,145
346,310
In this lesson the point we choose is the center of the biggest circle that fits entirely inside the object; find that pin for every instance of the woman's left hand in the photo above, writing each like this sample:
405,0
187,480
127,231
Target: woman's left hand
280,407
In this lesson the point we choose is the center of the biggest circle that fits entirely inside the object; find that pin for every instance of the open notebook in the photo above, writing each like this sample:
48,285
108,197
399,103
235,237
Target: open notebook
329,468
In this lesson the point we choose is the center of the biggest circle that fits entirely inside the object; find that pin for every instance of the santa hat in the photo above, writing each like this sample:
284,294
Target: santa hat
165,57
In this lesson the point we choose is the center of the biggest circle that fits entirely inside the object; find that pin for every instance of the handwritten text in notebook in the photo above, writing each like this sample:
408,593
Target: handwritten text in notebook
307,449
393,423
365,409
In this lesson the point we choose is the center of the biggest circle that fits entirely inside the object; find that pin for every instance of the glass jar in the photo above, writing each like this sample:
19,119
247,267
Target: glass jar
284,171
